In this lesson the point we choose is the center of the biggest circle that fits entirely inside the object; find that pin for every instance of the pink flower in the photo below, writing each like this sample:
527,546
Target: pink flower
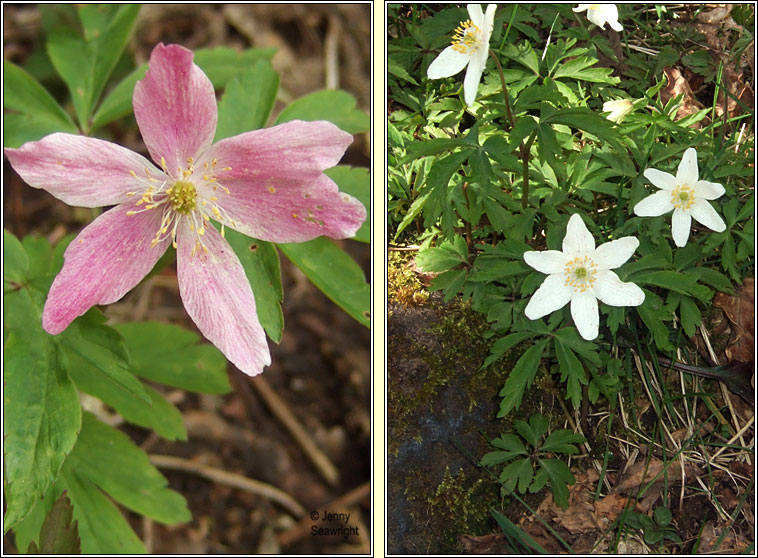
268,184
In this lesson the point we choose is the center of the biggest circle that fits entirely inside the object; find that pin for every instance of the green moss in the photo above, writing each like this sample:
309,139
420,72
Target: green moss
457,506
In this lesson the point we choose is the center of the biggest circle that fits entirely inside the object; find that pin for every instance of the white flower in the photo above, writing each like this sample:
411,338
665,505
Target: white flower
470,46
686,195
618,109
600,14
581,274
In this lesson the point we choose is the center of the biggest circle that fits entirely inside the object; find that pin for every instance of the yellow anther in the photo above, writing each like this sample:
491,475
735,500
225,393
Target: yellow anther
163,163
134,174
201,231
272,189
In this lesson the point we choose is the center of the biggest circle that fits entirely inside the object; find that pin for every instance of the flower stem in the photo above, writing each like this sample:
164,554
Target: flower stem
509,112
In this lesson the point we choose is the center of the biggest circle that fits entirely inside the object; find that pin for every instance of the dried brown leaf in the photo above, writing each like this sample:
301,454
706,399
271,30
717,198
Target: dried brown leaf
677,85
740,309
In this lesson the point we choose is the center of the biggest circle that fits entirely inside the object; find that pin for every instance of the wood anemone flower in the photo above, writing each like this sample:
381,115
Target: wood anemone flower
600,14
268,184
470,47
581,274
686,195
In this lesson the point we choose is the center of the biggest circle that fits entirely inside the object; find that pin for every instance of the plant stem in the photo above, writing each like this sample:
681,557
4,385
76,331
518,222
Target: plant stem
525,149
469,241
511,119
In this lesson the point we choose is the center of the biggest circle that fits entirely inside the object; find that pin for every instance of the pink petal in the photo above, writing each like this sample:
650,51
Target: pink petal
108,258
175,107
78,170
277,189
218,298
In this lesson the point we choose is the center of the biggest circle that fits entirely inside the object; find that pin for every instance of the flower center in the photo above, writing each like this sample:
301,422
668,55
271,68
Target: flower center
467,38
192,196
682,197
580,273
183,197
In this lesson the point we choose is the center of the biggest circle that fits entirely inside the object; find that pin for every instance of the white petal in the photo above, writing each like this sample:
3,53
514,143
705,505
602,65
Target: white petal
552,295
582,7
549,261
578,239
616,26
471,81
599,14
703,213
489,19
585,314
476,14
708,190
687,171
614,292
680,227
660,179
447,64
654,205
613,254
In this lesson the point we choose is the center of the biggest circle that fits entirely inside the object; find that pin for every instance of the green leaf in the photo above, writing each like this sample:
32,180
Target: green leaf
572,372
102,528
560,476
118,103
41,410
398,71
519,471
662,516
335,273
355,181
435,146
589,121
502,345
581,68
261,263
59,534
156,414
653,316
521,377
337,107
15,262
102,347
562,441
107,28
85,64
533,430
174,356
110,460
689,314
714,278
511,444
223,64
445,257
247,101
23,93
